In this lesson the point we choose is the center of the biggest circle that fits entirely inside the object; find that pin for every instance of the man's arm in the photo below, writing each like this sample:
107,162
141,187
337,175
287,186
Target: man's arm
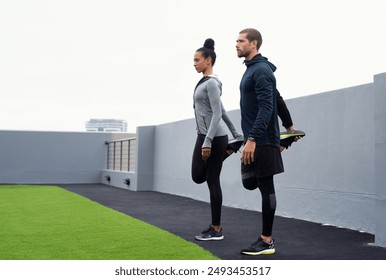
283,111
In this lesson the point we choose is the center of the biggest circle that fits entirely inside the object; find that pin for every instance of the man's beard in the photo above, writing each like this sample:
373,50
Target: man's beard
242,54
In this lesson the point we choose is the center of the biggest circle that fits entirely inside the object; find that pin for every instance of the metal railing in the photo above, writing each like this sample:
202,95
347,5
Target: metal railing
121,154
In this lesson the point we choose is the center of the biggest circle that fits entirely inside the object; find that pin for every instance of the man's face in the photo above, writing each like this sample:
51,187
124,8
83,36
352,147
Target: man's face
243,45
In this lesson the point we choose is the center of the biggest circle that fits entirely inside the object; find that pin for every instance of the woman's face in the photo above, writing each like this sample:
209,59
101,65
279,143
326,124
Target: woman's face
200,63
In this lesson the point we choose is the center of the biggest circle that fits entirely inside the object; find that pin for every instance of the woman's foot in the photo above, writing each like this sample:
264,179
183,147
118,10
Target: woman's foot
233,146
209,234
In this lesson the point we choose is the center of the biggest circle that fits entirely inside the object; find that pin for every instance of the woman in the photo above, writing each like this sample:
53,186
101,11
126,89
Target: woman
212,137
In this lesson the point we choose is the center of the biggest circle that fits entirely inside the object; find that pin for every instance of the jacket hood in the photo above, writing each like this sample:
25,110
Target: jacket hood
216,78
260,58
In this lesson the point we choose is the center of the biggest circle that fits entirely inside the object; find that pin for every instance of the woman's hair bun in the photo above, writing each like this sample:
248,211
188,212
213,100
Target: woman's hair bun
209,44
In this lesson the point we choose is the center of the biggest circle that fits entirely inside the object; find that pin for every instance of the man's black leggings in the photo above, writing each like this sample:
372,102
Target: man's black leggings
268,197
209,171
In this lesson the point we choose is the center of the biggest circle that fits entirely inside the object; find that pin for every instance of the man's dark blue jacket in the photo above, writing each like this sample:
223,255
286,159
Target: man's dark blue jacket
258,102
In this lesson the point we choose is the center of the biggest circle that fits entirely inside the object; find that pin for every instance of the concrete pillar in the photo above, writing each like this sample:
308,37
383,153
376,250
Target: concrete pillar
145,158
380,159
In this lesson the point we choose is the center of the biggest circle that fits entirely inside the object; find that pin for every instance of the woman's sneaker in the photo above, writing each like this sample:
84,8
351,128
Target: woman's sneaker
210,234
233,146
259,247
236,143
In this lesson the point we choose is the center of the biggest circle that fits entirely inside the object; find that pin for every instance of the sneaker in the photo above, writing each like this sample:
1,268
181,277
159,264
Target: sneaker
288,137
234,145
210,234
259,247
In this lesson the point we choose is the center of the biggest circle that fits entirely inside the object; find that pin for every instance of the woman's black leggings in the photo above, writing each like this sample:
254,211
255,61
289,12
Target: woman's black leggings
209,171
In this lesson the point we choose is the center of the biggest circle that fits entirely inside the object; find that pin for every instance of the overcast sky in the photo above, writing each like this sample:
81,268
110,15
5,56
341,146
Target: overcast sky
64,62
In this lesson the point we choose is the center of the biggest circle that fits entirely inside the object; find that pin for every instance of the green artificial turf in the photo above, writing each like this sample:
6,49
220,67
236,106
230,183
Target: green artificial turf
50,223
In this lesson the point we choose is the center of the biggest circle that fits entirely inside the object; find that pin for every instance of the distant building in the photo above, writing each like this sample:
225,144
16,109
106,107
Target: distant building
106,125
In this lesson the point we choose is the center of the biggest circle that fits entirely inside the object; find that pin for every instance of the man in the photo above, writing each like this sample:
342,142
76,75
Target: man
261,158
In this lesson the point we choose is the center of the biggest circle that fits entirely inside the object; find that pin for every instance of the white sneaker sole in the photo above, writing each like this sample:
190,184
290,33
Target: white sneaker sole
200,238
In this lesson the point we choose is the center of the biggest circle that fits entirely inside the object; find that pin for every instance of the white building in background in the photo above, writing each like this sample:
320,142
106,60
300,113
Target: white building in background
106,125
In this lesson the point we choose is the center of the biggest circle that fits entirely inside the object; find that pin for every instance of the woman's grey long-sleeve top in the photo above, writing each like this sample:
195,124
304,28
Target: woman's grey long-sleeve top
209,111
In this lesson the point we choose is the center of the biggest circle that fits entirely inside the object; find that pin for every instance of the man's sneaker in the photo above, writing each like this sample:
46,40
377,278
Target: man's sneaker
210,234
288,137
259,247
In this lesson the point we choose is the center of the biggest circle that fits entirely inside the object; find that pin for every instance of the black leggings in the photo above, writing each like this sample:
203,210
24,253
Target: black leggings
209,171
268,208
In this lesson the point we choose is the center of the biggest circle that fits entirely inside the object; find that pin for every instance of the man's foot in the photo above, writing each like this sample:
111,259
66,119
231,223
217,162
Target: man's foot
288,137
248,176
210,234
259,247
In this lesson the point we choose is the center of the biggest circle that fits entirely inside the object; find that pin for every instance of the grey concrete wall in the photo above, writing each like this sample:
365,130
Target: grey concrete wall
172,157
30,157
329,175
119,179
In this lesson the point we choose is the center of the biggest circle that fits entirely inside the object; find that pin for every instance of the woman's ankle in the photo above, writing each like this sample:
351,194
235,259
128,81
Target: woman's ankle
216,228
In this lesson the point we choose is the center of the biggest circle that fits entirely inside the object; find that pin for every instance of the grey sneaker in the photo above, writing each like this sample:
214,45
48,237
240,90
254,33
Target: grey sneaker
210,234
259,247
234,145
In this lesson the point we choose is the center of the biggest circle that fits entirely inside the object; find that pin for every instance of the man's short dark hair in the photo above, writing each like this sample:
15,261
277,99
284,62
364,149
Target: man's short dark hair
253,35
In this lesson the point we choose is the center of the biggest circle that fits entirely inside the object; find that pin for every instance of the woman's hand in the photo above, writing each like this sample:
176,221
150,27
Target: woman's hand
205,152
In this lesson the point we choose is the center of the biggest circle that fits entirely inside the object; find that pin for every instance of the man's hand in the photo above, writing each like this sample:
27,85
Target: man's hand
247,156
292,128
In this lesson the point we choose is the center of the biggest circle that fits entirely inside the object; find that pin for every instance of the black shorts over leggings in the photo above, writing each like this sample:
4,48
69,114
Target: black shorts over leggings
267,162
